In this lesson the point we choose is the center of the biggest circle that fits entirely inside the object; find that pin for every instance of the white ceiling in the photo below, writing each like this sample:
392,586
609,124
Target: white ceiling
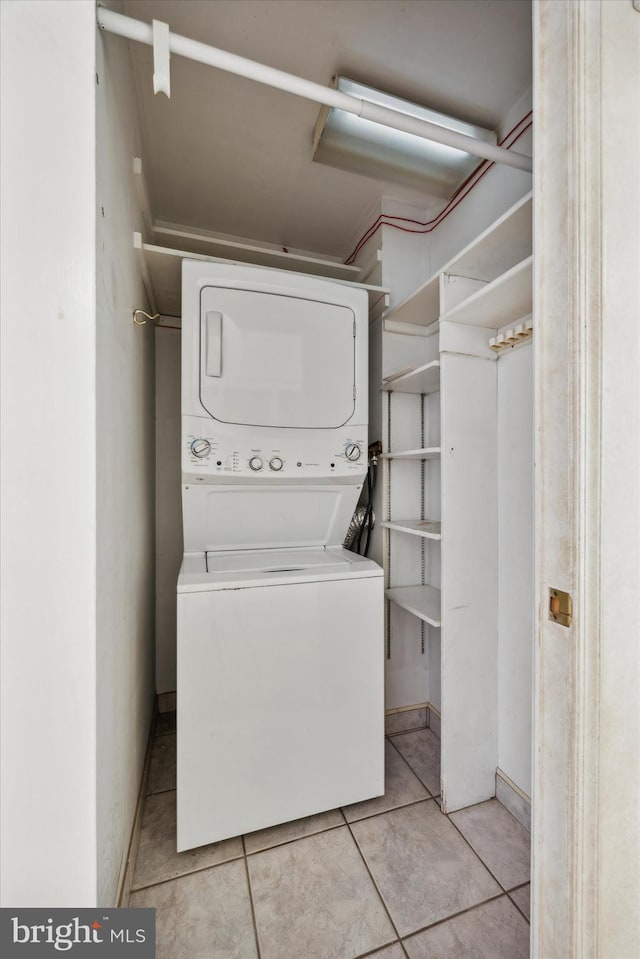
229,155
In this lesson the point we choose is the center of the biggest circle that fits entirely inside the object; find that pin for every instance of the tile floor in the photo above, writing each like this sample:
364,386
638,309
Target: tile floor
391,878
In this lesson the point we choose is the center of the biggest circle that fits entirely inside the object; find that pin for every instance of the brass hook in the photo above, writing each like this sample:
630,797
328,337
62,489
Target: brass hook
148,316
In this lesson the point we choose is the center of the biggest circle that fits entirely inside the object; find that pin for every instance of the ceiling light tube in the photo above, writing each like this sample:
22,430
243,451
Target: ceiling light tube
241,66
359,144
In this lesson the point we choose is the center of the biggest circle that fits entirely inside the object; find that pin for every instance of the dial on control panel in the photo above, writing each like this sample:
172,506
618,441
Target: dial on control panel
200,448
276,464
255,463
352,452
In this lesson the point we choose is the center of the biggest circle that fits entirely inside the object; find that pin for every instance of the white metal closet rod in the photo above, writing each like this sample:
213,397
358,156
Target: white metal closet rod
213,57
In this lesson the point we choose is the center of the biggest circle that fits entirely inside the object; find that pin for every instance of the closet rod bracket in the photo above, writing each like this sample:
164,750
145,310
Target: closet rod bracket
148,317
161,57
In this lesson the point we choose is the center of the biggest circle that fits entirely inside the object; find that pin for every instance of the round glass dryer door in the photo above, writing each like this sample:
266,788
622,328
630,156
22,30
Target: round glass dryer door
274,360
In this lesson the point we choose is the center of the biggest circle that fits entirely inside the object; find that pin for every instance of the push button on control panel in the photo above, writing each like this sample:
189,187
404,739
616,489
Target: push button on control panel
276,464
255,463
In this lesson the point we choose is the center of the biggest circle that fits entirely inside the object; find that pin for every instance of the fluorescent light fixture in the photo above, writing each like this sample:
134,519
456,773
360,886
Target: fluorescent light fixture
351,143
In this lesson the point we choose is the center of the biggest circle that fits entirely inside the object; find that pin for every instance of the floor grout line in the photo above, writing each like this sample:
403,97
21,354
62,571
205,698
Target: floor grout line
507,889
375,884
363,955
403,732
416,729
418,777
160,792
475,852
518,909
456,915
505,892
251,902
383,812
183,875
287,842
374,815
438,922
374,952
521,911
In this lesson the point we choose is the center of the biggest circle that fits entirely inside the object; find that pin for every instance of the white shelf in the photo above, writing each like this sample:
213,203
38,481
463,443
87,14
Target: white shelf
505,300
429,453
427,528
486,287
410,329
504,244
211,245
422,601
164,269
420,379
422,307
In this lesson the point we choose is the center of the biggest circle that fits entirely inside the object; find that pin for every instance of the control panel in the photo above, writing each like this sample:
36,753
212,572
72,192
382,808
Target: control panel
209,451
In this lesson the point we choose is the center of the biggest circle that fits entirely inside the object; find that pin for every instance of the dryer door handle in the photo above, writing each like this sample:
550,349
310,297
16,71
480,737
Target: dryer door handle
213,344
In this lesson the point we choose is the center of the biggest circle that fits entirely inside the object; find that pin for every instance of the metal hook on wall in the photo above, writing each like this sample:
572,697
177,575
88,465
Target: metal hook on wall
147,317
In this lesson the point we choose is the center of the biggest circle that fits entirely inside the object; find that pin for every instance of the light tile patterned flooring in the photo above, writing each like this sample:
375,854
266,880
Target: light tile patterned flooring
391,878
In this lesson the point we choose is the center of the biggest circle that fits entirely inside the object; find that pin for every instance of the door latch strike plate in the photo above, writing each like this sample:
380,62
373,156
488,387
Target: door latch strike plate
560,607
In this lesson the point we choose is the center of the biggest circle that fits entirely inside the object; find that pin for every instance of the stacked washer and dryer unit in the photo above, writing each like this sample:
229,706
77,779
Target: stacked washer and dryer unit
280,649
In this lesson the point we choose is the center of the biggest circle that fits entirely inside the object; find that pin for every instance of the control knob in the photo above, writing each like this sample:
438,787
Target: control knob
352,452
276,464
255,463
200,448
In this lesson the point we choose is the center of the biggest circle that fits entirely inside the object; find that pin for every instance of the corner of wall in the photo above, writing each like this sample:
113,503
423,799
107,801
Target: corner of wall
125,472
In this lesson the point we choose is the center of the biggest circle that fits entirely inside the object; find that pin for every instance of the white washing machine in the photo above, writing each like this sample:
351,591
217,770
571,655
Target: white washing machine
280,646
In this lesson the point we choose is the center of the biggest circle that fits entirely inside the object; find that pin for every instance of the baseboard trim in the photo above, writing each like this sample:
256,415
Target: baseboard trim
514,799
404,719
434,719
134,840
404,709
167,702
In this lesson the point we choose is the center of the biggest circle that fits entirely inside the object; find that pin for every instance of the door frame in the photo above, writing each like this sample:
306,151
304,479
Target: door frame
586,796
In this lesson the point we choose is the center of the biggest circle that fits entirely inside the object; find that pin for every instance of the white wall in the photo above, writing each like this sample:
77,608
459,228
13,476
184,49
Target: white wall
125,473
77,483
48,483
515,563
498,190
406,255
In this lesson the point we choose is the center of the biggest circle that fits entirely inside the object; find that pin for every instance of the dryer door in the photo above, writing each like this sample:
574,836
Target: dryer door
274,360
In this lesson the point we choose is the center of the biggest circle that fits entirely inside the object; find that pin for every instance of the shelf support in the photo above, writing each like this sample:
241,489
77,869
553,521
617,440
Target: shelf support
387,486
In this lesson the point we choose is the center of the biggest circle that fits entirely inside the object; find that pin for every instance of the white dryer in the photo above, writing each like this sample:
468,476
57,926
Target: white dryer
280,648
